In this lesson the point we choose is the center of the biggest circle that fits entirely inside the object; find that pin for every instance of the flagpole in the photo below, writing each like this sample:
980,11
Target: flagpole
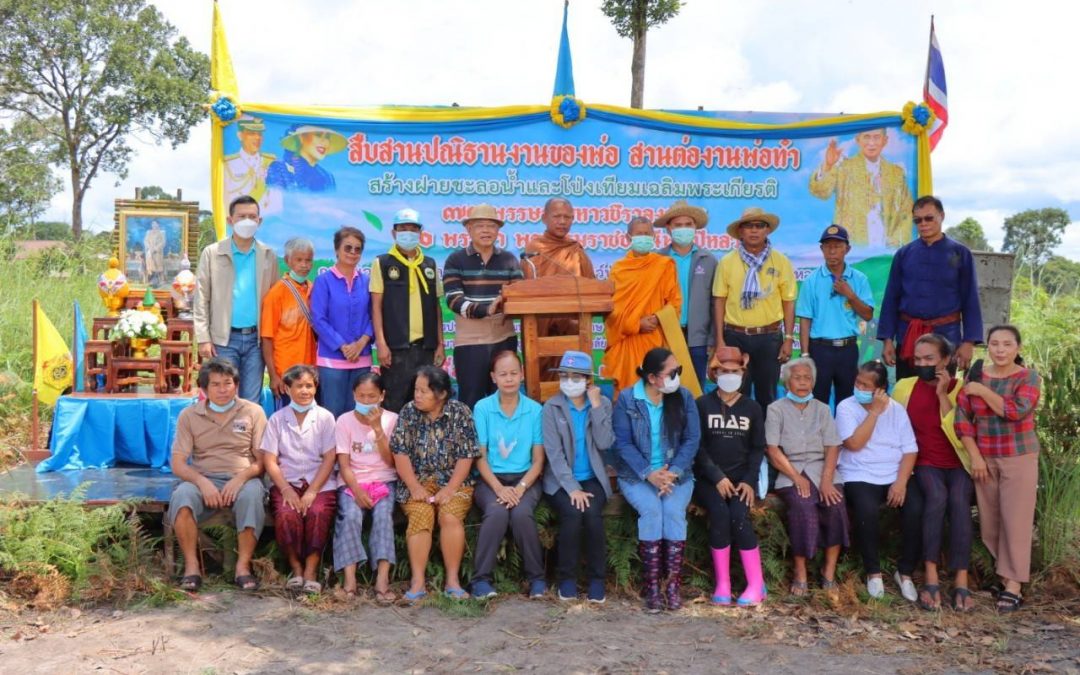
34,423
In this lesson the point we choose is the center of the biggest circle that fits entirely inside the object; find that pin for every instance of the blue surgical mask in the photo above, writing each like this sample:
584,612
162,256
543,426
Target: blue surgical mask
364,408
297,278
864,397
800,399
301,408
220,408
407,240
642,243
683,236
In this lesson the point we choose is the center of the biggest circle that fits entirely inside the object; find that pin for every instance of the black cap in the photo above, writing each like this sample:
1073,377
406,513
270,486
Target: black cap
836,232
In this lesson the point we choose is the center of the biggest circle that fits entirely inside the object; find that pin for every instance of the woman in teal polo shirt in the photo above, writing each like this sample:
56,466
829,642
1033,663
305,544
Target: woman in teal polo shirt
508,430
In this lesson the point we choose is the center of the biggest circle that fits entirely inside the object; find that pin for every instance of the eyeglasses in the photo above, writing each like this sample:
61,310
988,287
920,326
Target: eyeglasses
349,248
754,225
923,219
676,372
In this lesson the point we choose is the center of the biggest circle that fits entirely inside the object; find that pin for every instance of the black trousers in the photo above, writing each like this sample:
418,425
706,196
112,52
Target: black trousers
398,377
572,525
865,500
763,372
729,519
472,363
837,368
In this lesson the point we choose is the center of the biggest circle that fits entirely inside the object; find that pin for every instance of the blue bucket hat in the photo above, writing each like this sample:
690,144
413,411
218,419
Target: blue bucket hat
577,363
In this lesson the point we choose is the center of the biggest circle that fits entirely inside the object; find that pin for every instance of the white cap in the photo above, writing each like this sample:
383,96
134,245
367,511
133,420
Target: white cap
407,217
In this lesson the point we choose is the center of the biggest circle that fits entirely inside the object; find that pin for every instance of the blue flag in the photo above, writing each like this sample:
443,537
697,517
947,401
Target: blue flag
78,349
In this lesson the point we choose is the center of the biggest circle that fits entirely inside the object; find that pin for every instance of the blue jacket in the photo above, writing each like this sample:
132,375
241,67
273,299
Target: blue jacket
340,316
632,453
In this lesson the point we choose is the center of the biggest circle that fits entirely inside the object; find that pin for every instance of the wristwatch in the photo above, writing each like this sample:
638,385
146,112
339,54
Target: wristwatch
523,485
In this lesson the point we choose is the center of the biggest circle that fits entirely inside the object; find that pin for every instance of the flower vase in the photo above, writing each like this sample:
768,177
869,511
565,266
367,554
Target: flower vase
138,347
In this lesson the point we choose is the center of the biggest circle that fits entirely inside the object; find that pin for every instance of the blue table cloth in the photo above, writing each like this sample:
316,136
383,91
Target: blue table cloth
96,433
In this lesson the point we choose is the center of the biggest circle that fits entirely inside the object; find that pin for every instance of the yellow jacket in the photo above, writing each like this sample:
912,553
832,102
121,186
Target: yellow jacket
850,181
902,394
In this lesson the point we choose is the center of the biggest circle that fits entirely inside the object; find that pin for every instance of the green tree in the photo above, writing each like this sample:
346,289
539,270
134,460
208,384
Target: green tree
89,73
1033,235
26,181
633,19
155,192
969,233
1060,276
49,230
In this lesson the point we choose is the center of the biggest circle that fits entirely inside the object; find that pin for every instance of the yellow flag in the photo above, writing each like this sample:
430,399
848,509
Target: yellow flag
53,367
222,76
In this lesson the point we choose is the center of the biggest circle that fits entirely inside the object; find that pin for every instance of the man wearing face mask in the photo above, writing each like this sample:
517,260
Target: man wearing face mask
695,268
405,339
754,302
644,284
832,301
234,275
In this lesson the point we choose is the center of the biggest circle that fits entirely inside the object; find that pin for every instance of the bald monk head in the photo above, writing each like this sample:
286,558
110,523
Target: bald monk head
558,217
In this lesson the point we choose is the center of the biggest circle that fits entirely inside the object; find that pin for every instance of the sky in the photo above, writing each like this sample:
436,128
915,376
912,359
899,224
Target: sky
1013,141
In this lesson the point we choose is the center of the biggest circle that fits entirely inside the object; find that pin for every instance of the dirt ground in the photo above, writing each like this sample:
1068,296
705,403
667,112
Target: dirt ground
230,632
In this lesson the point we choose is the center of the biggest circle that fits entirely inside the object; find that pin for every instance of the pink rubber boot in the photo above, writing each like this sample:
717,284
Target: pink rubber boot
755,582
721,560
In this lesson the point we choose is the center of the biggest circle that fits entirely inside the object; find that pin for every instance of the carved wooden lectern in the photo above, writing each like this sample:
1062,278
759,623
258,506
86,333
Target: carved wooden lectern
546,297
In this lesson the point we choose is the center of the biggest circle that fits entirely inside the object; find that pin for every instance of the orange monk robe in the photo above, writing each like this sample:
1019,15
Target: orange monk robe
557,256
643,286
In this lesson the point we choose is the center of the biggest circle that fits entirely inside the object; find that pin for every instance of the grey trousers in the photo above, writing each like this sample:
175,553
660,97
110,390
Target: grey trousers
496,519
249,510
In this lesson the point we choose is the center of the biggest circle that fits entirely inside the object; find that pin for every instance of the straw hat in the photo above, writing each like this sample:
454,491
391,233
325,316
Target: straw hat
483,212
291,142
754,214
681,208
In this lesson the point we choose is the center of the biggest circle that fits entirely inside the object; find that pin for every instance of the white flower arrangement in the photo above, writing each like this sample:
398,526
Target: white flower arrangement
136,323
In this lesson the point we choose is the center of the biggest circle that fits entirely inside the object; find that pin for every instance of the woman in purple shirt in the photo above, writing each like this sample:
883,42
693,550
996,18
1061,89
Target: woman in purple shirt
341,316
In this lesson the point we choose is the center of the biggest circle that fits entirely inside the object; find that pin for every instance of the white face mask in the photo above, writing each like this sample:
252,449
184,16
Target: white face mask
729,383
573,389
670,385
245,229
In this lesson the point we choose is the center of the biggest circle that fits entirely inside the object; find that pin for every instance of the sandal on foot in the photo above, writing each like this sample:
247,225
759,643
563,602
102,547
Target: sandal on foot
798,588
386,597
191,583
415,597
960,597
934,591
456,593
312,587
295,584
1008,602
247,582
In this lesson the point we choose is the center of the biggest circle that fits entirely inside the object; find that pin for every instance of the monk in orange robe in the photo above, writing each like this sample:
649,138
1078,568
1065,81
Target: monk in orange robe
645,282
554,252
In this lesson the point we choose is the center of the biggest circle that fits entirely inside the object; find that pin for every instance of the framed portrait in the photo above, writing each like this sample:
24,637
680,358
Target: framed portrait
152,240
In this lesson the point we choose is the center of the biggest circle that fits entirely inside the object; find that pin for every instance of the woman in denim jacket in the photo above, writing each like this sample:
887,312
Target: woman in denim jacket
657,433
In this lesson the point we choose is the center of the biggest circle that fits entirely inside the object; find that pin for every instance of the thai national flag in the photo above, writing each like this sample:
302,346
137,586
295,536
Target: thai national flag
934,93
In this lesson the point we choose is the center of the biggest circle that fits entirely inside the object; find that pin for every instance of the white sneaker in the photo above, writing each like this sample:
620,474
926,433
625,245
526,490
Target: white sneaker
875,587
907,587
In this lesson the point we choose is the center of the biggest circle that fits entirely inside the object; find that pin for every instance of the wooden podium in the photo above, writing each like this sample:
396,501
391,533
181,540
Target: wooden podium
550,297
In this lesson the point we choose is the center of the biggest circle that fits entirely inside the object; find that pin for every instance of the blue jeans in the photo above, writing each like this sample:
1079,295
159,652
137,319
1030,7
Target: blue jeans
244,352
659,517
699,356
336,388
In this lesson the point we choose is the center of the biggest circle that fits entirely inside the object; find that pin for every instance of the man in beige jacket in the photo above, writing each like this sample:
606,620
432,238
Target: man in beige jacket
233,276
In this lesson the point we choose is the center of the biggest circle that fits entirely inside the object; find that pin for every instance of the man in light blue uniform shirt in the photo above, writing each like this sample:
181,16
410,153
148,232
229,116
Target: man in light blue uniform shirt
232,277
695,268
832,302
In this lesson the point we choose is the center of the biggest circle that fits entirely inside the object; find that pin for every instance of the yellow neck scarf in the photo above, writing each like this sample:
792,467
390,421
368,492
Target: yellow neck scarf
413,266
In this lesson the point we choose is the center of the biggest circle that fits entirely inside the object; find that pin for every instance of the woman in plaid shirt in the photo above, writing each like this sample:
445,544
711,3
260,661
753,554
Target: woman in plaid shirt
995,420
